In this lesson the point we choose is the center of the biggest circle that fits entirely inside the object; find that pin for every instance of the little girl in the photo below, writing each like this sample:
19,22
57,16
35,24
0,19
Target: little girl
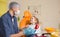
33,29
35,25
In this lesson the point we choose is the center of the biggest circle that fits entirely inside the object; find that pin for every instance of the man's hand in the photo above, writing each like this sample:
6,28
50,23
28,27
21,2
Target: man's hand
14,35
18,34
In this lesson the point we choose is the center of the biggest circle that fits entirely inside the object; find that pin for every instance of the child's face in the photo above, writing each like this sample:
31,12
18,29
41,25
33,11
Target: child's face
33,20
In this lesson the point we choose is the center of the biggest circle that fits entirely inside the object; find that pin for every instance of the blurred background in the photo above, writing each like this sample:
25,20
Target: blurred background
47,11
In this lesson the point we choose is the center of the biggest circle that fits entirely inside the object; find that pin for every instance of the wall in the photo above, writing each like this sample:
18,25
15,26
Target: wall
50,13
3,8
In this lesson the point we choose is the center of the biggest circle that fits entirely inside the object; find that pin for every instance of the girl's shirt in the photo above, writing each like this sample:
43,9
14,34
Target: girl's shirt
29,30
37,29
32,29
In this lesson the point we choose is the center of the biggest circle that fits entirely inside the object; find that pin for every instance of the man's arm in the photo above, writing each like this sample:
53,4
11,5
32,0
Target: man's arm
18,34
5,28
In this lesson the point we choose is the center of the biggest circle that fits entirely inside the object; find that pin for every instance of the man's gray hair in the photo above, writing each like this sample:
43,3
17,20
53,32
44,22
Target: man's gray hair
12,4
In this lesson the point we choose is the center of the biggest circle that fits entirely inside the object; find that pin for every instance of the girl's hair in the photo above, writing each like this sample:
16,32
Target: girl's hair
36,20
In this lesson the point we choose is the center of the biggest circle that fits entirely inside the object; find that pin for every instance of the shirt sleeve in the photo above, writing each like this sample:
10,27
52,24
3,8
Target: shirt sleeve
4,27
39,31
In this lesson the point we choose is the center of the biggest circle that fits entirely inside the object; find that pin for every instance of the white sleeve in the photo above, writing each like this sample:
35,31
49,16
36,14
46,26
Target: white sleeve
39,31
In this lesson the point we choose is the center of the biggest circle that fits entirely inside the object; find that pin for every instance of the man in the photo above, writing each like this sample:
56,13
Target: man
8,22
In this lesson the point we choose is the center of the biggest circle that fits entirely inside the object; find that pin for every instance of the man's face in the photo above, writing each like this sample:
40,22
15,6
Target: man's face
16,10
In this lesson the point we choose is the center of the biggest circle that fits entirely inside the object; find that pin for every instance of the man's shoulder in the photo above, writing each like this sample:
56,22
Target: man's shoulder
5,15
